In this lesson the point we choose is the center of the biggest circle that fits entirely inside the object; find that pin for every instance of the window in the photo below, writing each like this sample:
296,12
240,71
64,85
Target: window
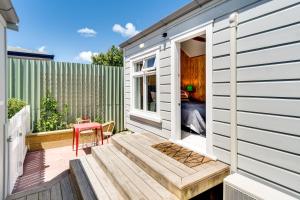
144,84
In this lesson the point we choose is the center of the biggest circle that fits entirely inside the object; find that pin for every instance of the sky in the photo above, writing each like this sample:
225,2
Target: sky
73,30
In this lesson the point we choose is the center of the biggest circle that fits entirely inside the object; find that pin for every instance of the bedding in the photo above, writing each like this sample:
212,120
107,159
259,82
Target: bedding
193,116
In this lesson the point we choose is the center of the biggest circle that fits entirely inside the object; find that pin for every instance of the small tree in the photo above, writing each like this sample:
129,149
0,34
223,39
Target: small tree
113,57
51,119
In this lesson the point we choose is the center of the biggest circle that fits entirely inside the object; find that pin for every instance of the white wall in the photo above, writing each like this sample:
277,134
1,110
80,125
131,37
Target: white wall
3,111
18,127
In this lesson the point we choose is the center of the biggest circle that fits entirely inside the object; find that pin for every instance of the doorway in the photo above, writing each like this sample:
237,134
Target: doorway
191,89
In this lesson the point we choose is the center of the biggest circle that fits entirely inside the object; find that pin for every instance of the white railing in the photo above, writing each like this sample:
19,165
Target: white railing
18,127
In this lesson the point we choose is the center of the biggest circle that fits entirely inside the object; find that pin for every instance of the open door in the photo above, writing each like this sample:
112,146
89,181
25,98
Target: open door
192,89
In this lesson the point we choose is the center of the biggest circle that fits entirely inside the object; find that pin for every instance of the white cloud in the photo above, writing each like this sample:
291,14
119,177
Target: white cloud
128,31
87,32
42,49
85,56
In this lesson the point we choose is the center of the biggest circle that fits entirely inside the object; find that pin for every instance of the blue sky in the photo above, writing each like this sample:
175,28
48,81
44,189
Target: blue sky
67,28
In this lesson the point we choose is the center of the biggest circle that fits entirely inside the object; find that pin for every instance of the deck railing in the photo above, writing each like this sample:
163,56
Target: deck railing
87,89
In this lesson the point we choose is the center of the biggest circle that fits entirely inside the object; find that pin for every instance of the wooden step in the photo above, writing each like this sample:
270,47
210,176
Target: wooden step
92,181
59,188
127,176
181,180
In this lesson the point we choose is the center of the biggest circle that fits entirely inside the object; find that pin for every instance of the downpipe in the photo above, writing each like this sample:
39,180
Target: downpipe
233,22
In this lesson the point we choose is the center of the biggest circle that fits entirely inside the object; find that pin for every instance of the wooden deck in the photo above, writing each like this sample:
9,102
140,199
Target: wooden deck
131,168
185,182
59,188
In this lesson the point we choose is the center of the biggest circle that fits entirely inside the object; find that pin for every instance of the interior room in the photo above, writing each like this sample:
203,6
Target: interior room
193,94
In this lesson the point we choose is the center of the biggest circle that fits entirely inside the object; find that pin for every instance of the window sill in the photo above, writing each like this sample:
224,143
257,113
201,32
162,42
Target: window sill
146,116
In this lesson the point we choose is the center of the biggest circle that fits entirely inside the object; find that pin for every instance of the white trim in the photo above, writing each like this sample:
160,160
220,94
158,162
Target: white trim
193,31
233,21
175,82
148,115
143,54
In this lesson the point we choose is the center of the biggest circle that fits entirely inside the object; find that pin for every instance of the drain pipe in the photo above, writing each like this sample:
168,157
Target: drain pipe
233,90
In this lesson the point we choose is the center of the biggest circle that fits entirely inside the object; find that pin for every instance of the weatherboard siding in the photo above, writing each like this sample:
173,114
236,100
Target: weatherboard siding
268,94
197,17
268,102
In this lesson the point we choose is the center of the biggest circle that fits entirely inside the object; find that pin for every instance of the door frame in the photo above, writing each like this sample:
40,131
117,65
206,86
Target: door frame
175,82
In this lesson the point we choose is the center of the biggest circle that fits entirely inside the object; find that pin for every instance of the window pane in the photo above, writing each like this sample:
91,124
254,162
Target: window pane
138,66
138,95
151,90
149,62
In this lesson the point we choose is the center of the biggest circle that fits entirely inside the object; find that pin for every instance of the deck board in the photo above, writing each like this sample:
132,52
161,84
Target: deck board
44,195
144,188
99,192
34,196
148,143
82,180
56,189
56,192
145,160
107,185
113,168
168,171
144,147
143,176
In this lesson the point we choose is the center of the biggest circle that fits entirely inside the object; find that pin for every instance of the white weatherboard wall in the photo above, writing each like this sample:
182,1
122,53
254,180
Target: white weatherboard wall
18,128
198,17
268,86
2,102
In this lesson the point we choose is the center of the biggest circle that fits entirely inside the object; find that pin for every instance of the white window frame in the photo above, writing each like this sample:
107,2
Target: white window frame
144,113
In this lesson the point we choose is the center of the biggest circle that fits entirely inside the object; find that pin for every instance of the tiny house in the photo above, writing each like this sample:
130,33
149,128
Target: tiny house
222,77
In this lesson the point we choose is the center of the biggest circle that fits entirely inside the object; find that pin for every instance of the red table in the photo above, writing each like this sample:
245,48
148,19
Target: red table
86,126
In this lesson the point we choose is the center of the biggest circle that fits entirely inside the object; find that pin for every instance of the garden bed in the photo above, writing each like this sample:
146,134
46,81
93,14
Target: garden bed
54,139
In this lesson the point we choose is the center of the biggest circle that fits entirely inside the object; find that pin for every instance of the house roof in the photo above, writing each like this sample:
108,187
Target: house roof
26,53
180,12
8,12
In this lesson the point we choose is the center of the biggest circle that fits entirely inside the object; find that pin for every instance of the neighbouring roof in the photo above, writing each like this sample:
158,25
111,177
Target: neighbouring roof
180,12
26,53
9,14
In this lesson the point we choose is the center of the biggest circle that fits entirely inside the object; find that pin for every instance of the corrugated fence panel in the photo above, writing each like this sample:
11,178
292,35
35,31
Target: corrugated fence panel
96,91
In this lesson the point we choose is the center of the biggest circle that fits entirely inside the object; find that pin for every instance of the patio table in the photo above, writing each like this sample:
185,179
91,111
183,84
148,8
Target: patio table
86,126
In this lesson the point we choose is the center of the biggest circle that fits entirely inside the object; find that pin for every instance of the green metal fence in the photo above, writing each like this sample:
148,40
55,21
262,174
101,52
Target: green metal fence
93,90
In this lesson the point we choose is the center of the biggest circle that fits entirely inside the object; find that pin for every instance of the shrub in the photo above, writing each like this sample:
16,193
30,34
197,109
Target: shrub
14,106
50,117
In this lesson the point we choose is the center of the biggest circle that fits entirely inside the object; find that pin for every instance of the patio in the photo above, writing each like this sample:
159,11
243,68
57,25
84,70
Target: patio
132,165
44,165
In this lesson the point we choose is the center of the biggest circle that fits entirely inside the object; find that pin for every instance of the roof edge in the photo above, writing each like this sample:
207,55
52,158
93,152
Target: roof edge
166,20
8,12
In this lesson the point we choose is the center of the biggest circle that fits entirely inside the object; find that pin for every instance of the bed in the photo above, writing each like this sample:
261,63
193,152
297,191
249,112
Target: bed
193,116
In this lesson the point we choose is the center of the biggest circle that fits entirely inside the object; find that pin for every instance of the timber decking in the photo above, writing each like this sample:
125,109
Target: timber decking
128,177
59,188
183,181
91,180
129,168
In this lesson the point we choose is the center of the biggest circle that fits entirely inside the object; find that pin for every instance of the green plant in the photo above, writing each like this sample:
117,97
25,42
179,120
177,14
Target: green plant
50,117
99,119
113,57
14,106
